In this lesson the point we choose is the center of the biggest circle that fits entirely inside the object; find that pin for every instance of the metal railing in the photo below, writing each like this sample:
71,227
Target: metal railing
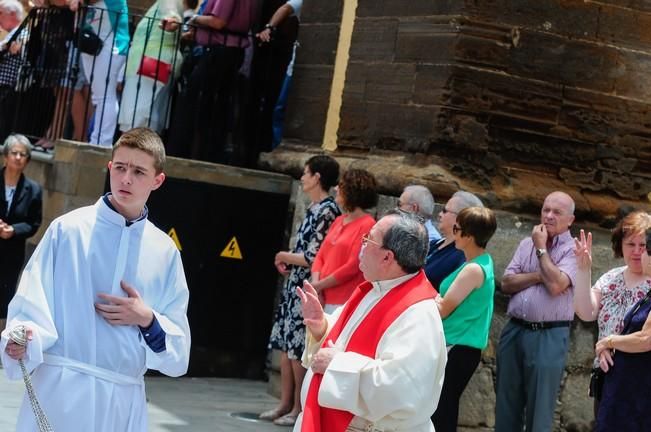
89,75
72,62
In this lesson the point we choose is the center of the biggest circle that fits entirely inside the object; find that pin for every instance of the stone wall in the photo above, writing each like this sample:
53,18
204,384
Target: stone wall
515,98
574,408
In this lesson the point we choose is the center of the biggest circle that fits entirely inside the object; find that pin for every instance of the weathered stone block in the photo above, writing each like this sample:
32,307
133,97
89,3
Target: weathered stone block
511,96
66,177
576,407
308,103
477,406
354,126
574,18
632,70
431,84
558,60
318,44
486,46
322,12
66,154
439,35
54,204
581,350
625,27
401,8
374,40
394,85
356,79
387,126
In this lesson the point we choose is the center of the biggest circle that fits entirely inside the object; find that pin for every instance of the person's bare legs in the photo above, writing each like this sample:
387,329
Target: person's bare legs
81,113
55,130
286,390
298,372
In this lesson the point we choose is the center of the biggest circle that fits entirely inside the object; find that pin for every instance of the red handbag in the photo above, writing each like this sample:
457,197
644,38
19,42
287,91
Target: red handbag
155,69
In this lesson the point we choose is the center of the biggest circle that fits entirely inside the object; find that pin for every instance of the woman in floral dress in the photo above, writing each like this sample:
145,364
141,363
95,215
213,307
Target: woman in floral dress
288,332
613,295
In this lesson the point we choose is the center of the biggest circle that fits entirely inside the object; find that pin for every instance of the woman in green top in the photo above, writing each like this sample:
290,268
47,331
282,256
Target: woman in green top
466,306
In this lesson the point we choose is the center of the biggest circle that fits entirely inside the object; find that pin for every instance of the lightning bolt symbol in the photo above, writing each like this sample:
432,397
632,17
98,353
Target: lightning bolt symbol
231,248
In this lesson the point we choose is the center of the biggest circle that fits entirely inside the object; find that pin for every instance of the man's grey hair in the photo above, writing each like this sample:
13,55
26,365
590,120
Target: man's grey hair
421,196
407,239
13,7
466,199
14,140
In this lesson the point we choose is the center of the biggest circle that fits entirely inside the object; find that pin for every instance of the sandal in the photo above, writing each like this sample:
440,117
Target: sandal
272,414
286,420
44,143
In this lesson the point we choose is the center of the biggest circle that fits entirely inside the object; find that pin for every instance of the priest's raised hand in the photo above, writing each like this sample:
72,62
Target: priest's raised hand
313,315
130,310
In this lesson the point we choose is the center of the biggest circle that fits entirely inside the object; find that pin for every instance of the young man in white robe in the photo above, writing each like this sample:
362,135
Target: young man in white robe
104,298
378,362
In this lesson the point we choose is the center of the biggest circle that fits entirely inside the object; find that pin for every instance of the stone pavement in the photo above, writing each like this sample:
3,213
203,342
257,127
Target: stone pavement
183,404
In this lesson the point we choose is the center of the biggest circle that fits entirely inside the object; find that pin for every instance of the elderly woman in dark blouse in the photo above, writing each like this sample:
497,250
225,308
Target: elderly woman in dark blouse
443,257
20,216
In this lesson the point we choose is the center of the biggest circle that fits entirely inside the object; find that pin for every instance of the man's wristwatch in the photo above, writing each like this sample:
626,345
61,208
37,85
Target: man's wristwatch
540,252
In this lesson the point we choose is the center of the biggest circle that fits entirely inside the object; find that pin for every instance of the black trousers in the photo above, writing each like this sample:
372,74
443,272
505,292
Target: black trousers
462,363
11,263
268,72
203,111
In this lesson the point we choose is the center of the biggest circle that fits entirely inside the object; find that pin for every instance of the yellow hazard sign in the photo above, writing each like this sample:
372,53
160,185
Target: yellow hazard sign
232,250
175,238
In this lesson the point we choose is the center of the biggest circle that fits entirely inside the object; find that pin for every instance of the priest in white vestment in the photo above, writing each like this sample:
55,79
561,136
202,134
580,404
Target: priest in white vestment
383,367
104,298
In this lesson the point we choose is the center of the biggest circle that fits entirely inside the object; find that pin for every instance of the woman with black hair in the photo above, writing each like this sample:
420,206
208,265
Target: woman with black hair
288,333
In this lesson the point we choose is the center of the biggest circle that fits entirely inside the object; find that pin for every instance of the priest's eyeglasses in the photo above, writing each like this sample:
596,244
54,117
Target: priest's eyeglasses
366,240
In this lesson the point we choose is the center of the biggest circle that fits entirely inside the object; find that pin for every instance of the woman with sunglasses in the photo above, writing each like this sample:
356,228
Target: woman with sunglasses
335,272
20,216
625,358
466,307
615,293
288,333
443,258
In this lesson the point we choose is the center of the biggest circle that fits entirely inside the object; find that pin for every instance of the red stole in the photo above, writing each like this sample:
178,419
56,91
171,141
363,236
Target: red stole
364,341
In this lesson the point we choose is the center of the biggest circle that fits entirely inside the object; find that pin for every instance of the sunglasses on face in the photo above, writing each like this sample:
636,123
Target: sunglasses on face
648,243
456,229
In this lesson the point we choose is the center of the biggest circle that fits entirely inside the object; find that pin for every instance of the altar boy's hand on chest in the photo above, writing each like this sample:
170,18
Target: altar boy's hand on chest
130,310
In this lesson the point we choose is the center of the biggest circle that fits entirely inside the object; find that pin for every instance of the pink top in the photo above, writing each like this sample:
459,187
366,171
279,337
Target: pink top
535,303
339,256
238,15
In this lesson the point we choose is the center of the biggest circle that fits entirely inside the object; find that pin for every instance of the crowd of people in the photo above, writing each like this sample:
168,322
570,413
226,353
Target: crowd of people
207,76
381,323
395,365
